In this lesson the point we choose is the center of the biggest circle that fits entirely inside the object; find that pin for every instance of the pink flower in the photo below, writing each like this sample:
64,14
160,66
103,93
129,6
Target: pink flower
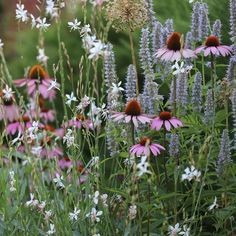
132,113
212,46
19,125
65,163
167,120
79,122
145,146
8,110
47,115
174,50
37,79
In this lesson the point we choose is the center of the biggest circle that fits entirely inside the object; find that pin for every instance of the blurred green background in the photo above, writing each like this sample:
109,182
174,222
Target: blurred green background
21,41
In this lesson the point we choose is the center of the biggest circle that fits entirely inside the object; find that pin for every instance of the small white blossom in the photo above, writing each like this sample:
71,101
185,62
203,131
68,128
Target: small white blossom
1,44
21,13
54,84
85,30
48,214
50,7
96,50
186,231
173,231
104,199
58,181
116,88
12,181
178,69
34,127
69,138
94,161
41,56
88,41
94,215
51,230
190,174
33,21
130,161
132,212
143,166
74,215
96,198
41,24
70,98
7,93
32,201
213,205
74,25
36,150
85,101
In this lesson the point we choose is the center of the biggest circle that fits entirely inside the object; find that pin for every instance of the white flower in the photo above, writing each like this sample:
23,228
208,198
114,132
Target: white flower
1,44
69,138
58,181
213,205
50,7
104,199
12,181
48,214
34,127
178,69
173,231
42,205
96,235
94,215
51,230
186,231
36,150
96,50
142,166
130,161
53,84
74,215
7,93
191,1
70,98
96,198
85,101
94,161
116,88
41,56
132,212
74,25
33,21
41,24
85,30
88,41
32,201
21,13
190,174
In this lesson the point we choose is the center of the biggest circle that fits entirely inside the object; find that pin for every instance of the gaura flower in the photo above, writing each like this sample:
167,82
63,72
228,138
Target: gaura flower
145,146
8,110
174,49
37,76
132,113
79,122
213,46
167,120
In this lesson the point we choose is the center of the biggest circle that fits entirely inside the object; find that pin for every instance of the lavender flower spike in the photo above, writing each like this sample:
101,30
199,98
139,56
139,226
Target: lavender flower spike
130,85
203,22
197,92
224,157
233,101
233,20
216,29
209,107
195,21
231,71
174,145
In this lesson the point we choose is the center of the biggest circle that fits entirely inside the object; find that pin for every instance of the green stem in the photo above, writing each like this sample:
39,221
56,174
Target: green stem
213,79
174,96
134,61
203,73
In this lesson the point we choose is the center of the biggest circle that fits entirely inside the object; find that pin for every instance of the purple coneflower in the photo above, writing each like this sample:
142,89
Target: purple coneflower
167,120
213,46
18,125
174,49
132,113
47,114
145,146
8,110
37,76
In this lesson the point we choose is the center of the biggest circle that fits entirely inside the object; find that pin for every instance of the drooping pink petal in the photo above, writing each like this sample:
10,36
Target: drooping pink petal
222,51
188,53
175,122
199,49
158,146
167,56
160,52
119,117
20,82
155,151
140,150
167,125
134,119
128,118
157,124
207,51
176,56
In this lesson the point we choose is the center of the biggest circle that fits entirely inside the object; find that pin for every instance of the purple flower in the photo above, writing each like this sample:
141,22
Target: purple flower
145,146
132,114
174,50
213,46
165,119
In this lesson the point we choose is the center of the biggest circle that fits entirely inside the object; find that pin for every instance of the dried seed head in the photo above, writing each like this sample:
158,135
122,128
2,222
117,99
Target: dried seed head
212,41
127,14
133,108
